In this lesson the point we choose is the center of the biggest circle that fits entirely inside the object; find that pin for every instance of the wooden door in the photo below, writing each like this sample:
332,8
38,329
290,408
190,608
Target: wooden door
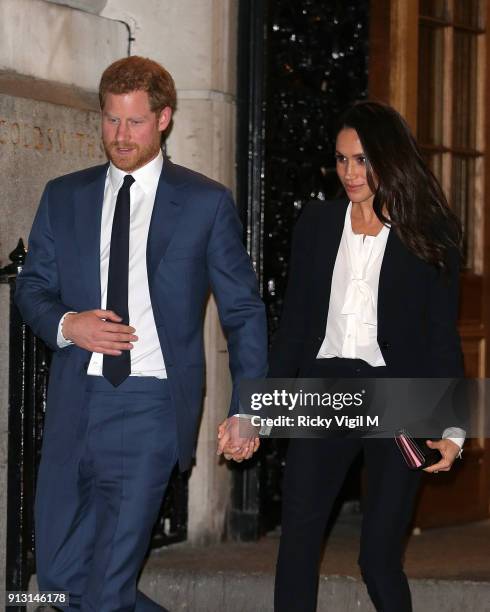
429,59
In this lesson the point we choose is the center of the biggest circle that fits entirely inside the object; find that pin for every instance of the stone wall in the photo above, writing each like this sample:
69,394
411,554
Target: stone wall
49,121
39,140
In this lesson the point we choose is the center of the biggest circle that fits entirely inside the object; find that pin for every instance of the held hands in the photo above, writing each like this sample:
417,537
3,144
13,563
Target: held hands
99,331
449,451
237,439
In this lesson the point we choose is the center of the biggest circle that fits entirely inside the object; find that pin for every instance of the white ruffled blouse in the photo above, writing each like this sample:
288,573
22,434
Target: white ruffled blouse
352,321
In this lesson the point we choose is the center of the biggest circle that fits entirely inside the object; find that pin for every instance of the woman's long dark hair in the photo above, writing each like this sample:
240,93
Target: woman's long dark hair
403,184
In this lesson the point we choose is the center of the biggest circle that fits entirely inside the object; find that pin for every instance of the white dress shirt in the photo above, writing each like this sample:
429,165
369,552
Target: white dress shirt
146,356
352,321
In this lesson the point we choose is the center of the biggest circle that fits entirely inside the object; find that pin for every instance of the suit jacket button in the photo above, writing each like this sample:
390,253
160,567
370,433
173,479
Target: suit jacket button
385,345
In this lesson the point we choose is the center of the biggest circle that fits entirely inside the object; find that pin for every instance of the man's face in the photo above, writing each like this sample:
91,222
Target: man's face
131,130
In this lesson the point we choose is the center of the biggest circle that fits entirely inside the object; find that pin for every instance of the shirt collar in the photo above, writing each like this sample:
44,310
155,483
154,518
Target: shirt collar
146,177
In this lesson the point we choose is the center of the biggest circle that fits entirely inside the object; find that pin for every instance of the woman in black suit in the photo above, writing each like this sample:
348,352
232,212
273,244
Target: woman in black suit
372,292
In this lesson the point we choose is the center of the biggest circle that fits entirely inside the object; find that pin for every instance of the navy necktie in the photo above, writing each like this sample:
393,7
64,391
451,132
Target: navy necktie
116,368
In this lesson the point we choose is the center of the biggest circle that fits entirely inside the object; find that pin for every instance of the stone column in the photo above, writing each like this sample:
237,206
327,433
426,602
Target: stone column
204,139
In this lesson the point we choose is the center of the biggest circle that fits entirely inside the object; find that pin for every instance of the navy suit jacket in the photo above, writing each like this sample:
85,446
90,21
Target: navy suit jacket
417,303
194,245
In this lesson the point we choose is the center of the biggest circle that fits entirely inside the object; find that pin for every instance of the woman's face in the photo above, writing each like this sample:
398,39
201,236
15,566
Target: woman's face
351,167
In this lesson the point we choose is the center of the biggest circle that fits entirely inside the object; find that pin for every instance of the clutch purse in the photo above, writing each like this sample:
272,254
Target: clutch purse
415,451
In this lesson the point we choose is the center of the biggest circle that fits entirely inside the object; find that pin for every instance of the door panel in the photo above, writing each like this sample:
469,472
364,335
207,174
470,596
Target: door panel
428,59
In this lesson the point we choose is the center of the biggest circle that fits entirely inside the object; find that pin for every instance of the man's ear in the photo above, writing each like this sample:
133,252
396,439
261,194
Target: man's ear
165,118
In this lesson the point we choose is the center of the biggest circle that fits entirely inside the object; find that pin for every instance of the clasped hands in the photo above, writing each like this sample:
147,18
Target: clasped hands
237,438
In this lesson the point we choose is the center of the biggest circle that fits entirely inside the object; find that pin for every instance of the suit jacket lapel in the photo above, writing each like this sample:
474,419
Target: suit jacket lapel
88,214
166,214
328,245
389,275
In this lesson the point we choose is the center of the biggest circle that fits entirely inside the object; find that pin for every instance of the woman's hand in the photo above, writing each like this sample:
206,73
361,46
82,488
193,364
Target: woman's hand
449,451
237,439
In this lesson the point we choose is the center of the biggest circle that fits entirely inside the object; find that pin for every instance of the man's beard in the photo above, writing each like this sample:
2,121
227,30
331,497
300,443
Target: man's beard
132,160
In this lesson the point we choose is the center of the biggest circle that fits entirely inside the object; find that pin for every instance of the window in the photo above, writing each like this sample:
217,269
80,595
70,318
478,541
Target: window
450,117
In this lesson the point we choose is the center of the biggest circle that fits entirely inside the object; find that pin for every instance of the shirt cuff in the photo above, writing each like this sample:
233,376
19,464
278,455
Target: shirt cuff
265,430
455,434
61,341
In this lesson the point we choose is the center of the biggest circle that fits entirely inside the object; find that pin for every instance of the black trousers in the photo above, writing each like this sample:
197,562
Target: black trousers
315,471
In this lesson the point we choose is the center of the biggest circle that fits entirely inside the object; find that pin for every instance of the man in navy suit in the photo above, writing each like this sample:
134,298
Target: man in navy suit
121,260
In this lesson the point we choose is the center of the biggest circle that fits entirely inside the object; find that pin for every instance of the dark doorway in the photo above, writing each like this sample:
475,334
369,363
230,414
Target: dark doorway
299,64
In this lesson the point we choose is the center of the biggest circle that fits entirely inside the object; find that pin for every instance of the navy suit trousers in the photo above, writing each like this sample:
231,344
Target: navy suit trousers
94,513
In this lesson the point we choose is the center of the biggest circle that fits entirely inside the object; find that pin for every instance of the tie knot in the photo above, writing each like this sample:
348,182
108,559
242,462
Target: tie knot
128,181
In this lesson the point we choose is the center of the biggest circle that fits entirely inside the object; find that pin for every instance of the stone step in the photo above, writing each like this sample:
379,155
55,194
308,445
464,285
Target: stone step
235,591
448,569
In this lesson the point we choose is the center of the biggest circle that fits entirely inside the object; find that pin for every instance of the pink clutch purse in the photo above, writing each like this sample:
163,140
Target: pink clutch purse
415,451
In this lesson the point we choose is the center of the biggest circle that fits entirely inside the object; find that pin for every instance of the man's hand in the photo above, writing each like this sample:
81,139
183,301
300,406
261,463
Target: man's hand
99,331
237,439
449,451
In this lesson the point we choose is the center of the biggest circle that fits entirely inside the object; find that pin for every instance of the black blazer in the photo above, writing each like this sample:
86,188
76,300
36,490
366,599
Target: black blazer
417,304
